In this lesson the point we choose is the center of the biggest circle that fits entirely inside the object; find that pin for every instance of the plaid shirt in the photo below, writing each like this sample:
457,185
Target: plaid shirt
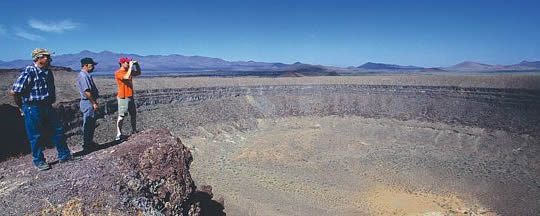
35,85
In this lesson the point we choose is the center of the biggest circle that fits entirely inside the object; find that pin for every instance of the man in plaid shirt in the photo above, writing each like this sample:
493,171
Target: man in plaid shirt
34,94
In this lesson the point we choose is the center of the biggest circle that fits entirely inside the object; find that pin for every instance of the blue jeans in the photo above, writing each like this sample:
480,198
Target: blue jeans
89,122
39,120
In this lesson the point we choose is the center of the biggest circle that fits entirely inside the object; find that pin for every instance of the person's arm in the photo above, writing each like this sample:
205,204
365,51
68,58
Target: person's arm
91,98
18,100
18,87
128,74
85,85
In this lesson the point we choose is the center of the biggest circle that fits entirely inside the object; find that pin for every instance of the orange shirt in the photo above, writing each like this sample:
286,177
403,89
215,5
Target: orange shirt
125,87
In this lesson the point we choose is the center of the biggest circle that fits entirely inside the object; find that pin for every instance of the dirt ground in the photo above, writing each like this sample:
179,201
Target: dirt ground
322,164
359,166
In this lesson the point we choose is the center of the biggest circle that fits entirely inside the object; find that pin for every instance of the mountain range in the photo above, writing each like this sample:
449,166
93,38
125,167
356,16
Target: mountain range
107,63
466,66
379,66
475,66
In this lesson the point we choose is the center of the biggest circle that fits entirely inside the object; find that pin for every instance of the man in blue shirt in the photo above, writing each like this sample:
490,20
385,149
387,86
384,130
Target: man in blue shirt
89,94
34,93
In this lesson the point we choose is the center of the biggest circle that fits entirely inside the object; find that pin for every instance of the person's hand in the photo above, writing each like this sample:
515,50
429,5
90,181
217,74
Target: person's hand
131,63
96,106
21,111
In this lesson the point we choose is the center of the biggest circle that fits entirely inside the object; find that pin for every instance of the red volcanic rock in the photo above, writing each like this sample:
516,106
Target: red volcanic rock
148,174
155,167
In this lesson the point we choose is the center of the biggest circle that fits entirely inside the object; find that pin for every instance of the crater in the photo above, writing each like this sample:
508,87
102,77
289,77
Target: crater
350,148
337,149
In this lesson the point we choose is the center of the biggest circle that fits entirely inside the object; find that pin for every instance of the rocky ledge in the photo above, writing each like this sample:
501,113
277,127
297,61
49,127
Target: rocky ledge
148,173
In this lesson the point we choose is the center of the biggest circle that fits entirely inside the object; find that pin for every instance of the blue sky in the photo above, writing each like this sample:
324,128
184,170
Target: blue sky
339,33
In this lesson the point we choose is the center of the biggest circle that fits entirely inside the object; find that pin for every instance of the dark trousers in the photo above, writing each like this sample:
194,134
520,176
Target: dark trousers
40,119
89,122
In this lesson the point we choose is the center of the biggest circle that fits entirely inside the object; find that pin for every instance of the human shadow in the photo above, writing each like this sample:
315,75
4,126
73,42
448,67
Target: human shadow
14,139
98,147
79,154
209,207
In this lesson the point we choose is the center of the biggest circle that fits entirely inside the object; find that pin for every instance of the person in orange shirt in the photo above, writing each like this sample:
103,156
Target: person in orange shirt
126,103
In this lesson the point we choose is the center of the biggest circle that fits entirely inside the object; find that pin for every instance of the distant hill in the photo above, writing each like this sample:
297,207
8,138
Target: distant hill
108,63
475,66
15,64
299,69
432,70
54,68
382,66
527,64
472,66
466,66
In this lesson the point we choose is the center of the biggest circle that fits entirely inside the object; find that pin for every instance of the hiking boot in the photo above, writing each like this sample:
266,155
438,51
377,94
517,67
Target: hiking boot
92,146
119,137
43,166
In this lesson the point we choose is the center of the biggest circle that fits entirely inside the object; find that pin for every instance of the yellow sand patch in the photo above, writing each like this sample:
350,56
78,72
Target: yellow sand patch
72,207
383,200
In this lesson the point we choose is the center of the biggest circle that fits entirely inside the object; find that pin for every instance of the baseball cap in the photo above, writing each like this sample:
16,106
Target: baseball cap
38,52
124,59
87,60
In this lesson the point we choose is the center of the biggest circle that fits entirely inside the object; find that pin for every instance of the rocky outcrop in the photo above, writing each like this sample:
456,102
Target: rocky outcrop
149,174
155,171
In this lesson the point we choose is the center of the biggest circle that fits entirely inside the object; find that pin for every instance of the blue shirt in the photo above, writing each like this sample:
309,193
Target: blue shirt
85,81
35,85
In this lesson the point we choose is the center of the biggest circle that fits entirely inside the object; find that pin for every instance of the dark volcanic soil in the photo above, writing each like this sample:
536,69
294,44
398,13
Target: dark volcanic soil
406,145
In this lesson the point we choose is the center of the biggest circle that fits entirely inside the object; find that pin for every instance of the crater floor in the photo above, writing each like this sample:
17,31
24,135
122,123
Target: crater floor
356,149
354,165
